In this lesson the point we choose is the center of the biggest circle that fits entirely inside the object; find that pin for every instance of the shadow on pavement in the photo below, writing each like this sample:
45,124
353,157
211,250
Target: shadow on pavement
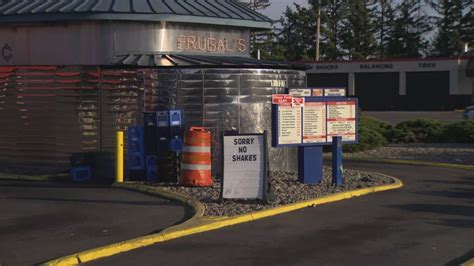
461,194
460,210
42,184
122,202
468,224
466,181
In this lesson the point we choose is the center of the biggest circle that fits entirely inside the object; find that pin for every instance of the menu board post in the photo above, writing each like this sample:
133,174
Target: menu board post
337,178
310,164
310,123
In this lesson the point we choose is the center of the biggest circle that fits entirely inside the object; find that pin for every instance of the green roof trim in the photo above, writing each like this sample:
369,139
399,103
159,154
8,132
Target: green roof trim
218,12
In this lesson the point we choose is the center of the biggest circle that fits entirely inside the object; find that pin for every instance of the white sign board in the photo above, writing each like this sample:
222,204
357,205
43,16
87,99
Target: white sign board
314,122
244,167
335,92
341,120
300,92
289,124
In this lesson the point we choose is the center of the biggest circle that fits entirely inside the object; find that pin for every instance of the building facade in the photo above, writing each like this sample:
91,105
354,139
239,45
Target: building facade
404,85
74,72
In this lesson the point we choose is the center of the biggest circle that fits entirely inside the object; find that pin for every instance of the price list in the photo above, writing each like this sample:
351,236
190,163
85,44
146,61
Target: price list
289,125
314,122
341,120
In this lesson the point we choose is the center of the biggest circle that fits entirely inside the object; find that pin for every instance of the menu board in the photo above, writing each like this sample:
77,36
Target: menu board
341,120
314,122
289,125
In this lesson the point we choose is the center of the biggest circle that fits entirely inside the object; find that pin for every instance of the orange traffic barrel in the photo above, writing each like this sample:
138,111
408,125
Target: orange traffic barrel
196,161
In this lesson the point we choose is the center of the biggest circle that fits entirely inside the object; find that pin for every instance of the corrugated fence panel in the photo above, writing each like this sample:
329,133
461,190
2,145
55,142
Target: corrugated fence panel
121,103
49,112
7,114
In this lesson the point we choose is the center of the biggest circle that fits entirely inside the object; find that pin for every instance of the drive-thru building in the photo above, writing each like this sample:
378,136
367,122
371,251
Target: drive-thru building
74,72
400,84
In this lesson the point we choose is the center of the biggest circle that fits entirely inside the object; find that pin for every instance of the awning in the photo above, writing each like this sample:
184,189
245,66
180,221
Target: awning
206,61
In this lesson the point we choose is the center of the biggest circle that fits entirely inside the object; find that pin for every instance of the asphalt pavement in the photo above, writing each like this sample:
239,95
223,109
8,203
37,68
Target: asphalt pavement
43,221
430,221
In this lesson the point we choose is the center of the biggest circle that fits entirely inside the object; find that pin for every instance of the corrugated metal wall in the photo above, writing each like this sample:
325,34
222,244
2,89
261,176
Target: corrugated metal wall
49,112
224,99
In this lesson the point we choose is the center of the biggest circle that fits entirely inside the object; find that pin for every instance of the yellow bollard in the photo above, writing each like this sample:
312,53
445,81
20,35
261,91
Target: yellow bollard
119,158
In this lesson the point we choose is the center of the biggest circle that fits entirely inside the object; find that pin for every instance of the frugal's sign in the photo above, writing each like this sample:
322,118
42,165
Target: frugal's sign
203,43
181,38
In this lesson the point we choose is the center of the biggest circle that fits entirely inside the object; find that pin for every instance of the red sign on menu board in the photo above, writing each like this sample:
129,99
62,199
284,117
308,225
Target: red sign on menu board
282,99
297,102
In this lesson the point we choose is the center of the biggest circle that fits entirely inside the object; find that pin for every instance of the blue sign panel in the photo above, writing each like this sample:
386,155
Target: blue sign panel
162,119
175,118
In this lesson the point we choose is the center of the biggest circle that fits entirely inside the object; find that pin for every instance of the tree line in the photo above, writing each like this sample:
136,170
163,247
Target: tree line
368,29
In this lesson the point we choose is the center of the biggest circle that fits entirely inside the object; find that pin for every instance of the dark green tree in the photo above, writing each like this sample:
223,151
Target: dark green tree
261,40
410,26
333,14
258,4
467,24
358,39
297,36
385,18
449,21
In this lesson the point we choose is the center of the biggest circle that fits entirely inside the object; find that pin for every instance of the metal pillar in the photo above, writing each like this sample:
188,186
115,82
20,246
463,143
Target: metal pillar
310,164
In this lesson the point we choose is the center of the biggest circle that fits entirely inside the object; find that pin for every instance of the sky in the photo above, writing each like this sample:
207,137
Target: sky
277,7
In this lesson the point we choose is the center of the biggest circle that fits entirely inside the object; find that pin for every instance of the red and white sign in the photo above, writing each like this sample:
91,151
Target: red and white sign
341,120
318,92
282,99
297,102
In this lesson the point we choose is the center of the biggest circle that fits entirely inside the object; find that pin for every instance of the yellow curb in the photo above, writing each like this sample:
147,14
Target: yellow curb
127,245
468,263
416,162
203,224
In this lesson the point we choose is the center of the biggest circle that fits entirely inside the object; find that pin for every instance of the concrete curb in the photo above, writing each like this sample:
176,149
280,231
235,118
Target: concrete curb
38,178
199,224
414,162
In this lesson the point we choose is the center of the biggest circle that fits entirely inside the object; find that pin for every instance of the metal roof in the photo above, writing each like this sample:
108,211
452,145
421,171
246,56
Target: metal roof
220,12
178,60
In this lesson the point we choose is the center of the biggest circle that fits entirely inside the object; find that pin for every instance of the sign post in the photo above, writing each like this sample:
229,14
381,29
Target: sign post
337,178
310,164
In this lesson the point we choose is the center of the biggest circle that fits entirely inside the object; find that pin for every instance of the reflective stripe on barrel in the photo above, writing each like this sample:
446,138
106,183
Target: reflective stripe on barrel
196,161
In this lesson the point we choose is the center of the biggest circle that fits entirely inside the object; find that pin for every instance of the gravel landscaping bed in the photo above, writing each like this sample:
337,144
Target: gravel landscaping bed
434,152
286,189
